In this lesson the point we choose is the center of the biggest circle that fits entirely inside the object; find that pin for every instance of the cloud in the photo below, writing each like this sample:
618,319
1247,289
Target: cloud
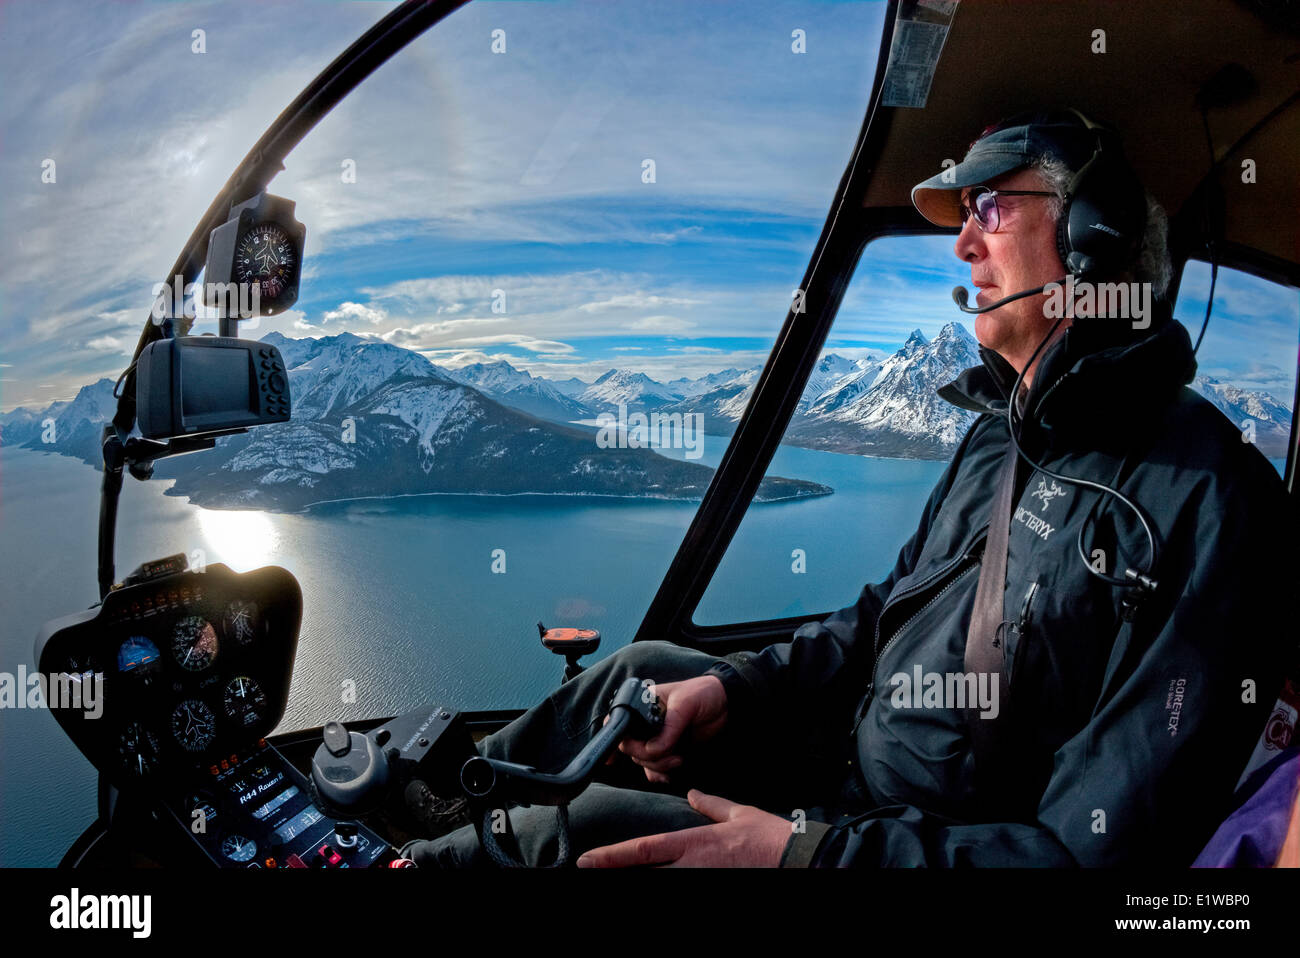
113,344
523,342
443,336
427,333
346,311
521,162
661,324
455,359
672,236
637,300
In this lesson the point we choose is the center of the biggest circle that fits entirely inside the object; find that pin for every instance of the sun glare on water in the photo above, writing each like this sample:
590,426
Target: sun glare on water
242,540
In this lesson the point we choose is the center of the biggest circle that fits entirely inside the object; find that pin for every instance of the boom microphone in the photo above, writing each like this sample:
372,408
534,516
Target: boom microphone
960,296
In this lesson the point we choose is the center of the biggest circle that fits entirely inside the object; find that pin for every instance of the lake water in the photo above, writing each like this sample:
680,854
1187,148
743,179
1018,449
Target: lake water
400,596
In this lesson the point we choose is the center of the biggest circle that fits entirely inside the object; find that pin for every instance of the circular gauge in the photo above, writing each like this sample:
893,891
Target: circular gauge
139,750
194,725
265,256
194,643
244,700
242,622
138,656
238,848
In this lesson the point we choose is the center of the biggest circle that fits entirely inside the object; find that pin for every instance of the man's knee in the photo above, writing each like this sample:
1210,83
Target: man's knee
661,661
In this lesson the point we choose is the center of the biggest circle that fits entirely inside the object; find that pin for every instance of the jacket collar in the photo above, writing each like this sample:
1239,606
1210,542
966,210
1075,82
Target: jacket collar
1095,376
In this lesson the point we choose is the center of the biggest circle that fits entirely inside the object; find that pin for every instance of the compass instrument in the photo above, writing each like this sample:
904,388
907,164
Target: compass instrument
194,725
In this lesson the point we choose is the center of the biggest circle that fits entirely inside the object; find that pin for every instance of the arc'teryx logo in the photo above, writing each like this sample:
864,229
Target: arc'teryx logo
1046,493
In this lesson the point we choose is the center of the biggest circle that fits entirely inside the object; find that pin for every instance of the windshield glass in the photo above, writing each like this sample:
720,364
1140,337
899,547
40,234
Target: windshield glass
532,226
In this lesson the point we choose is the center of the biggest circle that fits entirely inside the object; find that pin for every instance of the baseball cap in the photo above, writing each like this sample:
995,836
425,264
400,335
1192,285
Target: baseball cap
1006,146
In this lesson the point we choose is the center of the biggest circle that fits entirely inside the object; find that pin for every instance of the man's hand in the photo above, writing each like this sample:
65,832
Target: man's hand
696,705
745,837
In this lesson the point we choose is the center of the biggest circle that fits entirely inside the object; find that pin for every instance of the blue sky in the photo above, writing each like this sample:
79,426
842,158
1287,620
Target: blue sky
476,172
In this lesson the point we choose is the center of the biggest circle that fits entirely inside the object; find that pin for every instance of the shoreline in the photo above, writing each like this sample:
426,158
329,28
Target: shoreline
494,495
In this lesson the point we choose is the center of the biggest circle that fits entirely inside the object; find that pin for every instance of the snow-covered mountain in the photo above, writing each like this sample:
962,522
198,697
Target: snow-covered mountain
717,403
1272,419
844,391
370,418
690,388
373,419
573,387
330,373
899,414
628,388
76,427
521,390
723,406
829,371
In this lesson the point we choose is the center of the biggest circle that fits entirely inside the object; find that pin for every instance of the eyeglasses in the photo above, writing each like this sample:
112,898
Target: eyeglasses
983,205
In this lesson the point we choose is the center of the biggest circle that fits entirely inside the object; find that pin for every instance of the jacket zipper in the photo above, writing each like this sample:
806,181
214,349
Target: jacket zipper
1038,406
965,557
1022,631
967,553
902,628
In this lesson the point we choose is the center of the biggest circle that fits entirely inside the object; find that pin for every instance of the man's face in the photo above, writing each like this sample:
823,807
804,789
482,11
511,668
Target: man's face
1019,256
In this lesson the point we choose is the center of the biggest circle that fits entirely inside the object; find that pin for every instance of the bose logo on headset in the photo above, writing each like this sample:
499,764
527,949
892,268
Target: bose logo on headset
1103,211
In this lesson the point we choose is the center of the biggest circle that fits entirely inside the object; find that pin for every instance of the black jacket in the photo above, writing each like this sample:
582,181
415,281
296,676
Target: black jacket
1126,737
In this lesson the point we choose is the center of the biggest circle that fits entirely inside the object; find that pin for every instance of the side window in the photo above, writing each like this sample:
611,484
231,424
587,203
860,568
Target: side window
870,428
1246,364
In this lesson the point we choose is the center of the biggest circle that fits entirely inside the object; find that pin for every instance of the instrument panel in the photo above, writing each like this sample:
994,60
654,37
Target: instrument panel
186,668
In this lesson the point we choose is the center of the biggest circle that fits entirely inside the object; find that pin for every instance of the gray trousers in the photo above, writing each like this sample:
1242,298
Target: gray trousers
775,762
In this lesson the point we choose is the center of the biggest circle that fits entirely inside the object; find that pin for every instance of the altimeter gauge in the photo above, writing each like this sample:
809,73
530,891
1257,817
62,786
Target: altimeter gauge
194,643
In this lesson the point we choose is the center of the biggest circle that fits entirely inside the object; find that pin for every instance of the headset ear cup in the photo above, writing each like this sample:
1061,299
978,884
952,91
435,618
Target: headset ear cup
1063,233
1104,211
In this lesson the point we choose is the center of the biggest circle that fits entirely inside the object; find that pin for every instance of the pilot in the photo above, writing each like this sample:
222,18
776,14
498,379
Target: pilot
1074,653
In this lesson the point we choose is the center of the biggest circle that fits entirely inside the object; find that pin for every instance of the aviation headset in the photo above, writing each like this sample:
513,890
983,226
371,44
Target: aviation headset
1100,228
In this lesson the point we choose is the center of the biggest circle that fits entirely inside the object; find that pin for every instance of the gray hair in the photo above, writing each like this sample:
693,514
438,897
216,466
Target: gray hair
1153,264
